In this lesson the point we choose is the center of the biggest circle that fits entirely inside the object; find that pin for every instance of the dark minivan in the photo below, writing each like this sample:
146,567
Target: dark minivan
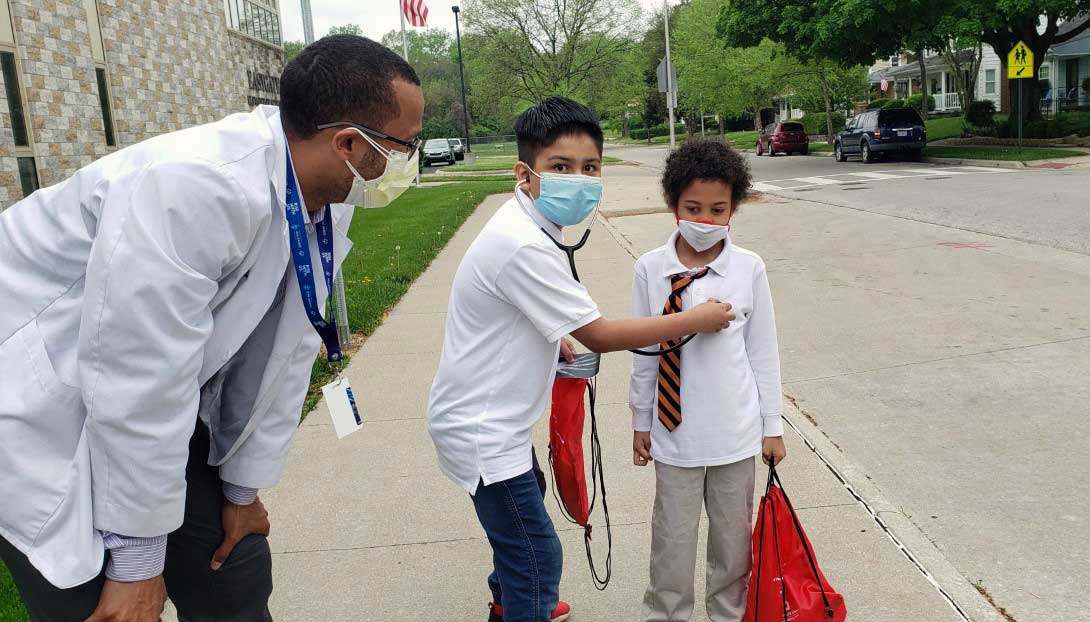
874,132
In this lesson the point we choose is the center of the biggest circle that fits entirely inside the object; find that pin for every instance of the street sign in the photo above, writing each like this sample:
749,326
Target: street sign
1020,62
660,72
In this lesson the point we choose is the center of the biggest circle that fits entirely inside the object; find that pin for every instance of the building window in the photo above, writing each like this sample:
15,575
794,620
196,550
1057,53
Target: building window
901,89
257,18
15,99
104,103
895,61
989,82
1046,72
28,175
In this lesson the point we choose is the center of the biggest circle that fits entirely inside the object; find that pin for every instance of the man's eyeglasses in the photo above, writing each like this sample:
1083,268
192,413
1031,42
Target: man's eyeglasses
412,145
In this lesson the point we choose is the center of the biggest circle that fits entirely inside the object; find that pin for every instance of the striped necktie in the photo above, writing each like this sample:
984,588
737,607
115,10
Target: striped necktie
670,364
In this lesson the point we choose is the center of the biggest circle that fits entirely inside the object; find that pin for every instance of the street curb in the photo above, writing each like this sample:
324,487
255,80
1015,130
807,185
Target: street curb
1010,164
913,543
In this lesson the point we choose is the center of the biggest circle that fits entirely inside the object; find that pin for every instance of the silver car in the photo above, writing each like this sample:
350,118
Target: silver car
438,150
458,147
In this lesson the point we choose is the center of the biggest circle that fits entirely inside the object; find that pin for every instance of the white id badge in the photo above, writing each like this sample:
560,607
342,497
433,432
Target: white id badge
342,407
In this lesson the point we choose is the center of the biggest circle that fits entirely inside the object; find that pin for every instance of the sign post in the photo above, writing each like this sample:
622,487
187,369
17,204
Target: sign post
1020,67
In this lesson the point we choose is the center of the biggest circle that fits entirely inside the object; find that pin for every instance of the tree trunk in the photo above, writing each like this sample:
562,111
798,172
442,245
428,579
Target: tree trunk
922,59
722,131
826,95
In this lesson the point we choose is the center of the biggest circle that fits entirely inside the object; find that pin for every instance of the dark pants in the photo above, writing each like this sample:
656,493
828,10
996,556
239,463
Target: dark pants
526,552
238,592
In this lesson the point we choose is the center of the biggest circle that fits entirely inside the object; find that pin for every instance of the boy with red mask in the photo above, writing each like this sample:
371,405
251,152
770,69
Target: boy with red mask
704,412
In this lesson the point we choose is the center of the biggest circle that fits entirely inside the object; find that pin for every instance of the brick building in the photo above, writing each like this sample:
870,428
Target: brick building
80,79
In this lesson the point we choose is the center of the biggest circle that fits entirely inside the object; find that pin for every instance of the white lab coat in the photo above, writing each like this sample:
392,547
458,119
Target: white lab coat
122,290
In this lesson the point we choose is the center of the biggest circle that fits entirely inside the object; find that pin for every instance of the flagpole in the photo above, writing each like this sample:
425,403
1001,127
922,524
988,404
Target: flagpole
404,34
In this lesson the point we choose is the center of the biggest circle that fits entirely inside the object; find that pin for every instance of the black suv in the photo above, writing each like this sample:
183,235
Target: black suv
874,132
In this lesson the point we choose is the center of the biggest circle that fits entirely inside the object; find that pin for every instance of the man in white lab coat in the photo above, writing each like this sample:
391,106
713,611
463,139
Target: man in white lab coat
157,332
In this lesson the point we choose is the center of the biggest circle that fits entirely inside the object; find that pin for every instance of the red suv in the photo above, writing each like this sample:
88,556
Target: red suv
783,137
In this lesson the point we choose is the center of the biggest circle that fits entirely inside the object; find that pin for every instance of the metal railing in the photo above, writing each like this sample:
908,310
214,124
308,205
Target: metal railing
949,101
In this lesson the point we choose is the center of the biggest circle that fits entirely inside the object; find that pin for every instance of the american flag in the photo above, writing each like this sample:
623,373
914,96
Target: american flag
416,11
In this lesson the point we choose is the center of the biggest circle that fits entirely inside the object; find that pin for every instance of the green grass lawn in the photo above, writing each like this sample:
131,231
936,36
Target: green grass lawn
999,153
944,127
496,149
821,148
477,178
500,163
393,246
11,607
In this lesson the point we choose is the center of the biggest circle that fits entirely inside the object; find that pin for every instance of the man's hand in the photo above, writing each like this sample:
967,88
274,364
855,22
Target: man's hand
773,450
139,601
240,521
641,448
712,316
567,350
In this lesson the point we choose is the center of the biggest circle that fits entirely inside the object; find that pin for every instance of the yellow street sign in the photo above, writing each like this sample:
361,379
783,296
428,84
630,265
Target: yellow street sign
1020,62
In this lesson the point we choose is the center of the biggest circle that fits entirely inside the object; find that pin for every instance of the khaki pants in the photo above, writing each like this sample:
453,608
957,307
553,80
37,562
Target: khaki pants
727,493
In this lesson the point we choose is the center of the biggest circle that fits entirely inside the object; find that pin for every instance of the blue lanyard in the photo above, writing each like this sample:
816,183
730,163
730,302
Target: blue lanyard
304,271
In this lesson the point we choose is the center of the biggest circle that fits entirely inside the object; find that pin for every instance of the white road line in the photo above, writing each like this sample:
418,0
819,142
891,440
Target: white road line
818,181
982,169
763,187
881,175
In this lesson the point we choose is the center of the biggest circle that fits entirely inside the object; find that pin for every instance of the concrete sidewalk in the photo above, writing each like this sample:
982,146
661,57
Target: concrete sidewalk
368,528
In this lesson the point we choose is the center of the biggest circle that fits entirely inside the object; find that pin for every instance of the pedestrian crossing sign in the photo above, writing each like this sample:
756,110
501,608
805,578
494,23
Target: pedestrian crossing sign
1020,62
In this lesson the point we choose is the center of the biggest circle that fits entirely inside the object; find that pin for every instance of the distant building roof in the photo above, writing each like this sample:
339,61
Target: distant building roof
937,63
1078,46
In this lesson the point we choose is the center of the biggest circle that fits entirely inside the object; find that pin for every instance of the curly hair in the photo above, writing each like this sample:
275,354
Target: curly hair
707,160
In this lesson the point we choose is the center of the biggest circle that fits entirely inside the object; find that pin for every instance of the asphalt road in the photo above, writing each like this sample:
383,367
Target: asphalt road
935,327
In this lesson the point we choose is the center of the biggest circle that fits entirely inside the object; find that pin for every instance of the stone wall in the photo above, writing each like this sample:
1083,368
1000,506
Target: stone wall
171,64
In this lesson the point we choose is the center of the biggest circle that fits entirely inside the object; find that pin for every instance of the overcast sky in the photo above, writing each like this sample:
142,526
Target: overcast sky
375,17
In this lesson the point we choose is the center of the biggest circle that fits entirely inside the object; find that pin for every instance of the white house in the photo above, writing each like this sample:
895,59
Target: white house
903,79
1065,68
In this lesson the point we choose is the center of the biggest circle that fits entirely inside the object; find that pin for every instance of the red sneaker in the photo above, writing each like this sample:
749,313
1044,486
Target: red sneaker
560,614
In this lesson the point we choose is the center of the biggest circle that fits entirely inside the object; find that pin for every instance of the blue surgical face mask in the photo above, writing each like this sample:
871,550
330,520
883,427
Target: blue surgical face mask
568,199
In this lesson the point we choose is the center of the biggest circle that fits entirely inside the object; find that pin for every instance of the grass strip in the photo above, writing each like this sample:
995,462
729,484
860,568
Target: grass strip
392,247
11,606
501,163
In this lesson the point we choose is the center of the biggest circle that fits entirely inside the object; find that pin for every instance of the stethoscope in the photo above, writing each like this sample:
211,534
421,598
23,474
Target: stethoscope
569,250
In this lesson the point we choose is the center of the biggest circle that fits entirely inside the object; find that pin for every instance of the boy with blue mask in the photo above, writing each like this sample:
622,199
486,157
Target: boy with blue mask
512,302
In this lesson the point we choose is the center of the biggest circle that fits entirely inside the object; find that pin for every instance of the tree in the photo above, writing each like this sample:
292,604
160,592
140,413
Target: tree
292,48
831,35
1006,22
538,48
347,29
434,58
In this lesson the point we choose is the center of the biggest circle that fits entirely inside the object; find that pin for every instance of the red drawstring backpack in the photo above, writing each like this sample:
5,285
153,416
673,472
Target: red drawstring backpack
785,584
573,380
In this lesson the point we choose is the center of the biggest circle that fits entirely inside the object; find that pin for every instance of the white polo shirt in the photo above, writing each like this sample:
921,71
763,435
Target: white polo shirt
512,300
730,380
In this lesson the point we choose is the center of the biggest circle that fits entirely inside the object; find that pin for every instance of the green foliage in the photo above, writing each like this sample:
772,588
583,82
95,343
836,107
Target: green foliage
438,128
347,29
944,127
916,101
1059,126
814,123
981,113
292,49
893,103
657,131
876,104
11,606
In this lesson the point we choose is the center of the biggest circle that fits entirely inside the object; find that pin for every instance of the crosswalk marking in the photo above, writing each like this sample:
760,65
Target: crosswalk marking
855,177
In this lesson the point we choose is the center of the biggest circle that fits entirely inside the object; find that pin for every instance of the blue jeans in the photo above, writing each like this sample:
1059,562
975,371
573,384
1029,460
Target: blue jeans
526,552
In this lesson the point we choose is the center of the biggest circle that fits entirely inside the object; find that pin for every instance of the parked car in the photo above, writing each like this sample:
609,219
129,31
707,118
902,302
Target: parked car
458,148
881,132
438,150
786,137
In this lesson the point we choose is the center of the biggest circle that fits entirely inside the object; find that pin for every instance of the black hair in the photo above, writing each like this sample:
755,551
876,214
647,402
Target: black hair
341,78
706,160
543,123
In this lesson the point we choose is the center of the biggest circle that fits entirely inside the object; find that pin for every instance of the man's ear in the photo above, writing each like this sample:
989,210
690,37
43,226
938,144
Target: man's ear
346,144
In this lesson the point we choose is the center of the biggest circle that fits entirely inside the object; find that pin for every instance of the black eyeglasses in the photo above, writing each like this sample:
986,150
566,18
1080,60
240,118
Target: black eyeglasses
412,145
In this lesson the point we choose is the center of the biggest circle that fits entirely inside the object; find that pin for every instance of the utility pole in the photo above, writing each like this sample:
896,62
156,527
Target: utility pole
308,22
461,74
404,34
671,93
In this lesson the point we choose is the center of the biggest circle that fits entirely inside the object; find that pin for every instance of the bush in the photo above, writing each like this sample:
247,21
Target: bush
877,103
981,113
1057,127
916,101
894,103
656,131
814,123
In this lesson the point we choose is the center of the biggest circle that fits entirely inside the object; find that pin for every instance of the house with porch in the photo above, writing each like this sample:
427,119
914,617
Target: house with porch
896,78
1065,70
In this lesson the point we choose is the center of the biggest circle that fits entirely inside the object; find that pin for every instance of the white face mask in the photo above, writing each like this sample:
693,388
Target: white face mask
702,235
399,174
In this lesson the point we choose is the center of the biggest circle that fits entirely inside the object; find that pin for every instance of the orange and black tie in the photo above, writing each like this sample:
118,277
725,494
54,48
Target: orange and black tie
670,364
